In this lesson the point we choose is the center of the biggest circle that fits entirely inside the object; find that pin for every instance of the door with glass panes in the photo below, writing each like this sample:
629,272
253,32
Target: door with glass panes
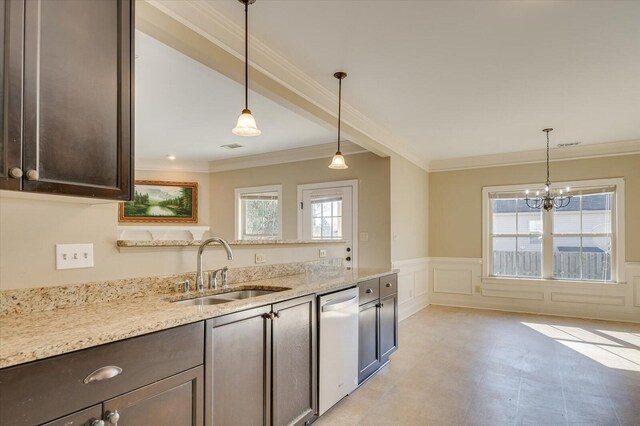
327,214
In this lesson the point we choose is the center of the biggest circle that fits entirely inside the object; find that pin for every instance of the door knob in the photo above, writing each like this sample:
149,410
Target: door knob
15,172
33,175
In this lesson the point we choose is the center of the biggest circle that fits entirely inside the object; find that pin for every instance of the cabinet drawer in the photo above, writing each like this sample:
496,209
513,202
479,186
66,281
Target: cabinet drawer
37,392
388,285
369,290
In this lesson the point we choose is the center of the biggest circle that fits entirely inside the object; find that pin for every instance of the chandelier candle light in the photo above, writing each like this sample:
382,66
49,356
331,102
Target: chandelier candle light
549,199
338,160
246,125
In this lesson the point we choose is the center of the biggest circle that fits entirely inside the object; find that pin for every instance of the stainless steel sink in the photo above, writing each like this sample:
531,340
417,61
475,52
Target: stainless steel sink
243,294
200,301
231,296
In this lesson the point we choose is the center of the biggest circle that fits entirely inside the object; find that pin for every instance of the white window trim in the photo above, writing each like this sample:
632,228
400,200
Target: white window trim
238,210
617,218
353,183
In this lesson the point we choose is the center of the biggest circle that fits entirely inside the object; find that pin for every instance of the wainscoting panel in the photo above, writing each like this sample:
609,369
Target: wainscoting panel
459,282
413,286
513,294
452,281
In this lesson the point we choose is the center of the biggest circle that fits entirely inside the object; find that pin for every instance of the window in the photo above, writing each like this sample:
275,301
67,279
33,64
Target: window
259,213
326,217
580,242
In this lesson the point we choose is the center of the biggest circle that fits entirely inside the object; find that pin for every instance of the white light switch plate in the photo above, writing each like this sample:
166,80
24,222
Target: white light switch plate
73,256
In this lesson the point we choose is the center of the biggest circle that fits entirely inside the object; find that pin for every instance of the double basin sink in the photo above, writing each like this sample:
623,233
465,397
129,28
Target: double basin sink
231,296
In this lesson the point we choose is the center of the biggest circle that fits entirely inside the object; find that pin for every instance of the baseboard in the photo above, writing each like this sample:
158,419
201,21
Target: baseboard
410,308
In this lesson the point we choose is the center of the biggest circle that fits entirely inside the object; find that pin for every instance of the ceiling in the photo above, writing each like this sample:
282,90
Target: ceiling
462,78
185,109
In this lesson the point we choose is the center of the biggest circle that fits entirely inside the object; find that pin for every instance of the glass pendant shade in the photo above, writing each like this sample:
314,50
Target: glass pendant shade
338,162
246,125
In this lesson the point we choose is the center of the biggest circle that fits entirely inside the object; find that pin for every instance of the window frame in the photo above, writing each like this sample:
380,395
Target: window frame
617,233
238,213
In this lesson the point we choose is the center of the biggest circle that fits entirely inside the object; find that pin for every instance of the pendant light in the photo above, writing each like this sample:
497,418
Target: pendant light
246,125
548,199
338,160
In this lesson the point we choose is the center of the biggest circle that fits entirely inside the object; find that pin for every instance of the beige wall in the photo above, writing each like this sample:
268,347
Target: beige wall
31,226
409,210
371,171
455,199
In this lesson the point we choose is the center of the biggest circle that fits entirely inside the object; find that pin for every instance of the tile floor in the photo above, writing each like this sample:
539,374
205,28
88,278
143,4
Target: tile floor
460,366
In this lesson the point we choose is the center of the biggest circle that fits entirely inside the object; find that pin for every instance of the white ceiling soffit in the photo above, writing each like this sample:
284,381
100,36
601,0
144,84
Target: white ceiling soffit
449,79
186,109
203,17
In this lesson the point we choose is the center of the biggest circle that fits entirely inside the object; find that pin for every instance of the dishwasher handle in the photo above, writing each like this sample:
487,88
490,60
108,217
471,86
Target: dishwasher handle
338,304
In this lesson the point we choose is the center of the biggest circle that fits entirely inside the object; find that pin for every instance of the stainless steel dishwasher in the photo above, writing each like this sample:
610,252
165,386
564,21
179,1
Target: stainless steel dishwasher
338,346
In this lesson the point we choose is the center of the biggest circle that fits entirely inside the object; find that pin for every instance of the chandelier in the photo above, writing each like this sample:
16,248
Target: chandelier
548,199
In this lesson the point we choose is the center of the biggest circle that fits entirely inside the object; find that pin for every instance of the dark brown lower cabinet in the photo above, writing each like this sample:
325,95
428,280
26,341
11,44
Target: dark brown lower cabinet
261,365
294,355
388,326
378,319
368,340
175,401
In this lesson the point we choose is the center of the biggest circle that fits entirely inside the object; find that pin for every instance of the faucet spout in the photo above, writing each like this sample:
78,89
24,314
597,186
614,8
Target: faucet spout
205,243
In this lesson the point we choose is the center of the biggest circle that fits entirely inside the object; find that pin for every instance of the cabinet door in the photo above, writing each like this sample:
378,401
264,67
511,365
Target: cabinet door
175,401
85,417
388,326
11,40
78,74
238,365
293,379
368,343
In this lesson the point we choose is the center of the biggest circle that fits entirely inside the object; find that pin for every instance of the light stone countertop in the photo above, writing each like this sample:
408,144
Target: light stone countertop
38,335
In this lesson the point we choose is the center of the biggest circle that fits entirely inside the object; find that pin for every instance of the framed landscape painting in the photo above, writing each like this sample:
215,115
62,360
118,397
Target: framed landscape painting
158,201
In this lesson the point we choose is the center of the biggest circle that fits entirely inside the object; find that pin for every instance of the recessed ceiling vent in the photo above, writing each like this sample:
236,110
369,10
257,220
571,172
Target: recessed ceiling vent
231,146
564,145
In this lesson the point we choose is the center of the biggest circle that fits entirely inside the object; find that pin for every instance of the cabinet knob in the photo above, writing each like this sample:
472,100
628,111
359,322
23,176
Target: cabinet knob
97,423
369,291
380,305
15,172
388,285
33,175
113,417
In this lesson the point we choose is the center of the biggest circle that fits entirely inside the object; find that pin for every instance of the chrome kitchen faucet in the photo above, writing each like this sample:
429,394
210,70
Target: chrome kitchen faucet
199,275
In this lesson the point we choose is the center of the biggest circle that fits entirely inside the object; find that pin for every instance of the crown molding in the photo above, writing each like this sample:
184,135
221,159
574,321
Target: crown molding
285,156
537,156
164,165
201,17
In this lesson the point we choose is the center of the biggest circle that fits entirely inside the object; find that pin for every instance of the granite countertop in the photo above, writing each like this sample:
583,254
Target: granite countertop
38,335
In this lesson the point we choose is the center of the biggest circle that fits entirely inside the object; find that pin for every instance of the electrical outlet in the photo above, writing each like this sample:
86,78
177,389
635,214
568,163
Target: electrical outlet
478,289
73,256
322,253
260,258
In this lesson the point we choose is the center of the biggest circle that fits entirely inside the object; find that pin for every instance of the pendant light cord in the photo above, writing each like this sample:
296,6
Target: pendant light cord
246,54
339,109
548,181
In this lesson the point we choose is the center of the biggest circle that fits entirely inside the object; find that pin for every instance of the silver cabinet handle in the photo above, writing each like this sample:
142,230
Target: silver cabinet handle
103,373
97,423
33,175
113,417
369,291
339,304
15,172
388,285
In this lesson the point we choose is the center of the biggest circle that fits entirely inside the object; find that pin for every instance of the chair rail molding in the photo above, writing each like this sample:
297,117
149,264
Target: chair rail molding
455,281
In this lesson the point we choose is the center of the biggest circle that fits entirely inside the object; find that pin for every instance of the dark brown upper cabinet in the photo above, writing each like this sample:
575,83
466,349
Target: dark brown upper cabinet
76,135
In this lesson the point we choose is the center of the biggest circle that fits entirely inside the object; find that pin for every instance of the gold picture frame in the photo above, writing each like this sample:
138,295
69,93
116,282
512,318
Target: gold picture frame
161,202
